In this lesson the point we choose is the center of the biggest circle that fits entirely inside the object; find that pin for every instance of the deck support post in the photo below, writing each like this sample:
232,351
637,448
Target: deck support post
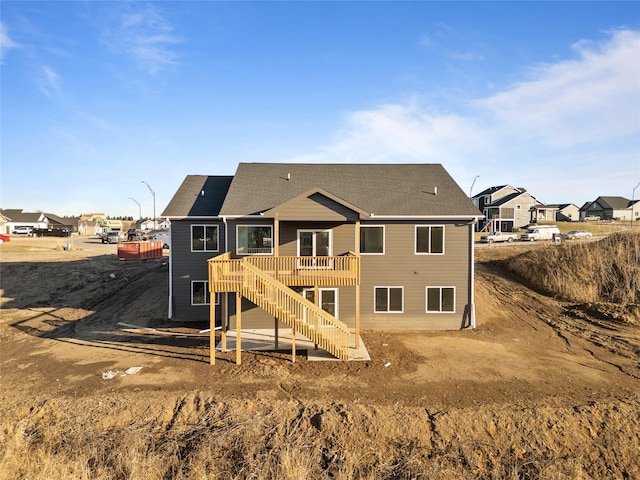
316,296
275,330
357,306
238,329
357,315
212,332
225,322
293,342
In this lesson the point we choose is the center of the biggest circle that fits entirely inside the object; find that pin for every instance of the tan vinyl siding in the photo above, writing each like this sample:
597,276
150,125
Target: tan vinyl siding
400,266
318,207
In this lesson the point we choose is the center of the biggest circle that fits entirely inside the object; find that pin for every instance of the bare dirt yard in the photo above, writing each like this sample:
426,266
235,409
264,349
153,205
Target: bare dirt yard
540,389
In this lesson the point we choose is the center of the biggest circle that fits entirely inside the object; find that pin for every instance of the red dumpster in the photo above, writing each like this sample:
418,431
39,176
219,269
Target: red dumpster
139,250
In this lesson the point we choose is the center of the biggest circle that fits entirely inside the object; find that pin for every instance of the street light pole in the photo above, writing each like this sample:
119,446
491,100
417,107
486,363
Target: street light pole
472,184
139,208
154,203
633,202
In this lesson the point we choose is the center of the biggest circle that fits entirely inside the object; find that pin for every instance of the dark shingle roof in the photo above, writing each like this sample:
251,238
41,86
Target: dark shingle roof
616,203
198,196
19,216
381,189
489,191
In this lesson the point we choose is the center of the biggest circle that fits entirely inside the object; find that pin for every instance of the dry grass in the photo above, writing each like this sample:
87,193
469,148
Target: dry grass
205,438
606,270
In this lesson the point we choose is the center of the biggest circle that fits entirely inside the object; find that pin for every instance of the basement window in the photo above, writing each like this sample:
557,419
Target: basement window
441,299
389,300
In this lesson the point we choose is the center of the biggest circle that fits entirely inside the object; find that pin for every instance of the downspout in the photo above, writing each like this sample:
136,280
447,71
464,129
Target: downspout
170,309
472,260
224,319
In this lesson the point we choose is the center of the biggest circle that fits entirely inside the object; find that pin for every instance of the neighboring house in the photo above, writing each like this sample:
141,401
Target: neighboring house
151,225
543,213
325,249
15,217
566,212
56,222
505,208
19,218
91,223
610,208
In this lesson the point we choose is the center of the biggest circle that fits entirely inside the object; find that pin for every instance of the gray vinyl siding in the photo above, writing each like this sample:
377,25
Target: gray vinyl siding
188,266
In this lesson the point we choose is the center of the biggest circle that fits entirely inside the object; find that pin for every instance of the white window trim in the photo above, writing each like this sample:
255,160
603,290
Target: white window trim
206,225
257,226
415,239
439,287
206,287
313,230
388,287
320,290
384,238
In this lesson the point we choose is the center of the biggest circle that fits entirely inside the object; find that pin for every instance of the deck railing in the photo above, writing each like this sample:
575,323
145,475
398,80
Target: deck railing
265,281
335,271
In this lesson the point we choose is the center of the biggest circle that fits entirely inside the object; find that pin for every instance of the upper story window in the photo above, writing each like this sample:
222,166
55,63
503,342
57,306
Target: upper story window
204,238
430,239
254,239
372,240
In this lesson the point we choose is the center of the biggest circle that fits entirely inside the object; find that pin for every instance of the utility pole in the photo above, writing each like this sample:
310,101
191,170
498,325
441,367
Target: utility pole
472,184
139,208
154,203
633,202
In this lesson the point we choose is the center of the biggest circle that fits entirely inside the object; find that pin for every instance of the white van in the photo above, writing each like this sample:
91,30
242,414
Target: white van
540,232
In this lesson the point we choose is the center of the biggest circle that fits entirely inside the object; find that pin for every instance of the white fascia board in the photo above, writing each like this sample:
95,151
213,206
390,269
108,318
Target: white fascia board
189,217
426,217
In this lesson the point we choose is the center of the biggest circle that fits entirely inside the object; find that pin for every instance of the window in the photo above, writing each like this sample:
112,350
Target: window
204,238
328,299
314,243
372,240
441,299
200,293
430,240
253,239
389,300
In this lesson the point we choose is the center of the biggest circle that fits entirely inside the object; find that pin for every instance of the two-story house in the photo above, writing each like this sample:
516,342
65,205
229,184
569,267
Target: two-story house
505,208
325,249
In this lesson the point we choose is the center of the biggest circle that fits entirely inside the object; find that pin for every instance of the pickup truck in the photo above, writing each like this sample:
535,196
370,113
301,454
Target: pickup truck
499,237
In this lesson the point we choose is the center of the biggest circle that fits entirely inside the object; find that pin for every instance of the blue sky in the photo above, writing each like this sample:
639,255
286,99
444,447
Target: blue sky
97,97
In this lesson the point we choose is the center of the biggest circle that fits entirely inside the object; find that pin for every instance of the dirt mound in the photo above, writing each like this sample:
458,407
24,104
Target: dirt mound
540,389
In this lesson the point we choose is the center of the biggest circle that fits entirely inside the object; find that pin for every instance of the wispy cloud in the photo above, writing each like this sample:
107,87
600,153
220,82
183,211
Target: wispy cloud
49,82
583,110
6,43
442,41
593,97
143,34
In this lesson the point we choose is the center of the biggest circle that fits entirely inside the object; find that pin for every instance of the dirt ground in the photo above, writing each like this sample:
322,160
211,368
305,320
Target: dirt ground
67,317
